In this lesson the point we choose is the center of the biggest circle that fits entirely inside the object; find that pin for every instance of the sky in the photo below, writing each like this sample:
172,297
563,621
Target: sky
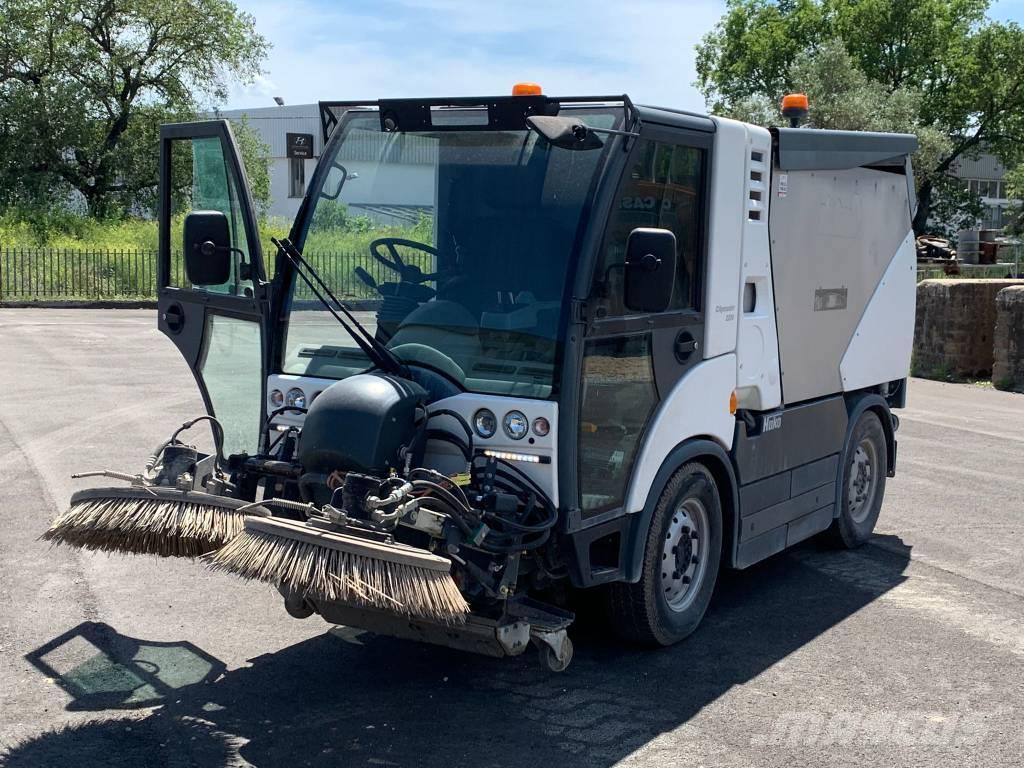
337,50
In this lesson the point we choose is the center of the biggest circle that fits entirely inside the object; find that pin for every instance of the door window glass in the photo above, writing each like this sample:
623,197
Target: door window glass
663,187
202,180
231,368
617,399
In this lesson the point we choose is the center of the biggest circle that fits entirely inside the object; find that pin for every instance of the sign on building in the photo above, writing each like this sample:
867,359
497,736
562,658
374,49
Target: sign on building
300,145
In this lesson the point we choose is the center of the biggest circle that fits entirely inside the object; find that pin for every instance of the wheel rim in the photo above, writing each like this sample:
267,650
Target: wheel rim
863,479
683,561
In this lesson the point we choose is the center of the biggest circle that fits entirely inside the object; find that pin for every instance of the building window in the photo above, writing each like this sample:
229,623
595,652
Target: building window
995,190
296,177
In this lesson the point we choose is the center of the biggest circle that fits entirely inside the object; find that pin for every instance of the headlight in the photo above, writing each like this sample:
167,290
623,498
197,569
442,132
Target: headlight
516,425
541,427
276,398
485,423
296,397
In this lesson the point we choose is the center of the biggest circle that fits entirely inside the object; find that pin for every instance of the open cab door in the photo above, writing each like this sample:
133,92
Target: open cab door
211,282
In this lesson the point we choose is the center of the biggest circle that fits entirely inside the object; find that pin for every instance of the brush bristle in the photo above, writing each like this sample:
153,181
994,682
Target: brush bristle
333,574
153,526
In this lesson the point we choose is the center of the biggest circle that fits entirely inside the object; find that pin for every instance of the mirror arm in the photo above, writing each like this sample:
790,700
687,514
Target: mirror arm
603,284
613,132
208,248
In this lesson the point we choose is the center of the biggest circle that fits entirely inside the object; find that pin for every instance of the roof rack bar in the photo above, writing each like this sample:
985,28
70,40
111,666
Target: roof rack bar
331,111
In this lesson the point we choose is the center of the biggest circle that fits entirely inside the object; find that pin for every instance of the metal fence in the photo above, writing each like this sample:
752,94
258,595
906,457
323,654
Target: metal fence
38,274
55,273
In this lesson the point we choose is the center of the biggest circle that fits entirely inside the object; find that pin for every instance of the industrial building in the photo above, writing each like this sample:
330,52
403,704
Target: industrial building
293,135
985,176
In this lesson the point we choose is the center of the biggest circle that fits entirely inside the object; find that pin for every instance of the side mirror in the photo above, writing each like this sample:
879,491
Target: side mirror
207,248
650,269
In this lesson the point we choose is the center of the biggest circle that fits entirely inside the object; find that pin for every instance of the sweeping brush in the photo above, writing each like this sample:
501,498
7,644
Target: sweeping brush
338,567
150,520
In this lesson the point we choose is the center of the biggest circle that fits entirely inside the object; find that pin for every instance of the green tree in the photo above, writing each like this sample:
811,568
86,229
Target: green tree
255,154
1015,191
84,85
961,75
843,97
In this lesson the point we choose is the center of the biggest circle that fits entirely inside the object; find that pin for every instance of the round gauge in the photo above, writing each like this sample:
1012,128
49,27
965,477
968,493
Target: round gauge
541,427
276,398
296,397
485,423
516,425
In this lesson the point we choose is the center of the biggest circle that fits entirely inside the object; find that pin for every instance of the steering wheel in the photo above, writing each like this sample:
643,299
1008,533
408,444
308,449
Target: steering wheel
433,359
407,273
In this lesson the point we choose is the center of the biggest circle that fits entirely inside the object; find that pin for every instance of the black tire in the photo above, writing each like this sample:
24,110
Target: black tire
641,612
856,521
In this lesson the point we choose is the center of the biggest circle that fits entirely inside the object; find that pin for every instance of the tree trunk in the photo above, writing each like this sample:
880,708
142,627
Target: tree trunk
95,202
924,209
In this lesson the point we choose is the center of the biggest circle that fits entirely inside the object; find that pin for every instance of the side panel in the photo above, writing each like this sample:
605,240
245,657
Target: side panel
698,405
787,466
788,438
833,236
881,346
758,382
725,236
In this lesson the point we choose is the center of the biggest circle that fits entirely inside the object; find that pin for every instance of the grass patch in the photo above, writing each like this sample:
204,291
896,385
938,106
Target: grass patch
87,259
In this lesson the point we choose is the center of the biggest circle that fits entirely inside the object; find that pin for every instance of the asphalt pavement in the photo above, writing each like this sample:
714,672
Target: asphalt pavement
906,652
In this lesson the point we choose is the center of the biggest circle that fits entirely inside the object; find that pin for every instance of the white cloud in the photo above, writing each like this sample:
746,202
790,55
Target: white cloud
457,47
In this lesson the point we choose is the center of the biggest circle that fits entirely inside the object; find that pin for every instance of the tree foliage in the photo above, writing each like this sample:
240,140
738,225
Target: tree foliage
256,158
937,68
1015,190
85,84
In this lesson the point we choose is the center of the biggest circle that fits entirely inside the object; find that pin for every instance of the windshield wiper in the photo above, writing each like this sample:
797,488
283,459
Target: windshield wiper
381,356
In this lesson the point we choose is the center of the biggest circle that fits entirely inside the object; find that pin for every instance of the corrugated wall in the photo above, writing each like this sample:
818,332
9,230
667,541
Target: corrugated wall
984,167
273,123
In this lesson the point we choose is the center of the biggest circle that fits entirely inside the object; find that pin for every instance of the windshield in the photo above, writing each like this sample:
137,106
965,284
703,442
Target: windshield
453,247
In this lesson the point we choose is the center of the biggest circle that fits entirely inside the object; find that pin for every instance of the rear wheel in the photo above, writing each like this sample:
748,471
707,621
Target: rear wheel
680,567
863,483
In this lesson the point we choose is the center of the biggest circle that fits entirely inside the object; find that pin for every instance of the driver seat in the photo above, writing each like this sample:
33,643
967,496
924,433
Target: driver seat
446,326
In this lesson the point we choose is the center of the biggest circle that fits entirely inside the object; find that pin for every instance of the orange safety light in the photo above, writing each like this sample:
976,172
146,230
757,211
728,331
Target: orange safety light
526,89
795,107
733,403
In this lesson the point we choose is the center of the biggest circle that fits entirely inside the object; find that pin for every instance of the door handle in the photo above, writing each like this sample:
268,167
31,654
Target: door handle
685,346
174,318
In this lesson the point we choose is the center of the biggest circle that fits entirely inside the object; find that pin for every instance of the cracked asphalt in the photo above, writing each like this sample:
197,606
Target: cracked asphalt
908,652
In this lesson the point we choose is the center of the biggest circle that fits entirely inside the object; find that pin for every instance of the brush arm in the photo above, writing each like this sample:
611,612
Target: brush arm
135,479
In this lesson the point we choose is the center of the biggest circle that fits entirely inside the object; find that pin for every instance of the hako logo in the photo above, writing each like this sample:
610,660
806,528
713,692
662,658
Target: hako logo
770,422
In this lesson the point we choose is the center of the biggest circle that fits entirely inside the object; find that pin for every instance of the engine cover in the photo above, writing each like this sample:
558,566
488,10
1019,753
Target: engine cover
362,424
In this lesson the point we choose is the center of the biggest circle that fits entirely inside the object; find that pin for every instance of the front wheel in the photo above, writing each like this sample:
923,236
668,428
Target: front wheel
681,557
863,483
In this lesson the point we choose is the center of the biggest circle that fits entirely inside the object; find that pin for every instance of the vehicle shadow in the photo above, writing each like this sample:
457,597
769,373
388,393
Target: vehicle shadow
342,698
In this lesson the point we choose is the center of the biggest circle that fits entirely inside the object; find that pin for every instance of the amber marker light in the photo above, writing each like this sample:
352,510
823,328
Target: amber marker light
733,403
526,89
795,101
795,107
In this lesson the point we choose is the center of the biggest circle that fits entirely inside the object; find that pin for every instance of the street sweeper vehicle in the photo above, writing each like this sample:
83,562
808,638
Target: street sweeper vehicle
517,347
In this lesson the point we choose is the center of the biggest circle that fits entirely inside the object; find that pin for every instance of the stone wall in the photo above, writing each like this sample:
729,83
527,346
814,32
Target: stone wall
955,326
1008,349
